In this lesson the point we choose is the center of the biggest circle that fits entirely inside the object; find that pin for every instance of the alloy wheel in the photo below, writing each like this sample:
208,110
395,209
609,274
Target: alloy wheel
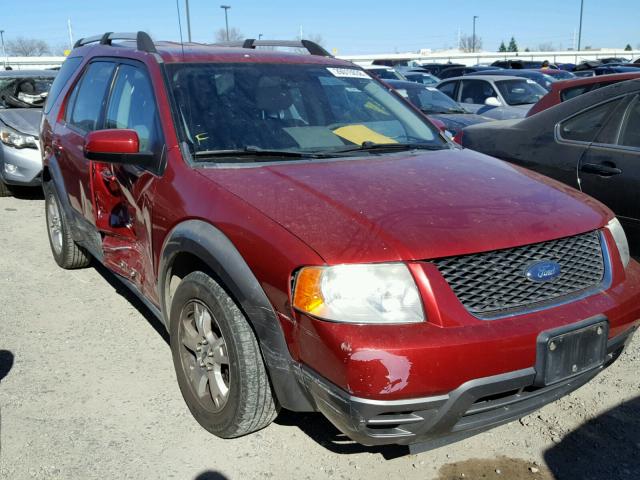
204,356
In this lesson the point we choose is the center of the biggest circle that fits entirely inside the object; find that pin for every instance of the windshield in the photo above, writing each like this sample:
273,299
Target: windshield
293,108
22,92
520,92
431,100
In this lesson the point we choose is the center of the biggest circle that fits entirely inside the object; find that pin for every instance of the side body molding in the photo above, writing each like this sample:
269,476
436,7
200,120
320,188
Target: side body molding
213,248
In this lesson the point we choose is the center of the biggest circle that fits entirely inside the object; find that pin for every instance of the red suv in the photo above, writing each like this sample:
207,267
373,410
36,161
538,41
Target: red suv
311,242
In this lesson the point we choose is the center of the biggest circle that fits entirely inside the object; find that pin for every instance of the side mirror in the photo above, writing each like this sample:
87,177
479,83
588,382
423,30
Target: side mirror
116,146
492,102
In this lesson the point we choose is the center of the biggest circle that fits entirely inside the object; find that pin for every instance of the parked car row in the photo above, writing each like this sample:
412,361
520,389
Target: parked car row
312,242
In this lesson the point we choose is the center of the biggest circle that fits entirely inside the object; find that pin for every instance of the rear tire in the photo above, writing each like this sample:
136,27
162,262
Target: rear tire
66,252
217,359
5,191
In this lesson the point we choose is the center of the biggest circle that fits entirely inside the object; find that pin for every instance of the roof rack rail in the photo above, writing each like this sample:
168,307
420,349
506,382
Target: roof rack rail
142,39
312,47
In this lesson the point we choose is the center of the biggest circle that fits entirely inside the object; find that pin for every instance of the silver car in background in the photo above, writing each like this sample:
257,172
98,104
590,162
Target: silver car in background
494,96
22,96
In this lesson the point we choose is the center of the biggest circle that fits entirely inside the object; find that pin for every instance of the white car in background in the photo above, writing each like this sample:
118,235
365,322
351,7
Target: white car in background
494,96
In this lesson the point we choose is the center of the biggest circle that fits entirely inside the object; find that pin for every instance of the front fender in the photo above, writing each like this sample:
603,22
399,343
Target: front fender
213,247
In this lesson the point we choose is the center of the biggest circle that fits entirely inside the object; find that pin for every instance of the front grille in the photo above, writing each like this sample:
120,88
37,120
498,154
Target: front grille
494,283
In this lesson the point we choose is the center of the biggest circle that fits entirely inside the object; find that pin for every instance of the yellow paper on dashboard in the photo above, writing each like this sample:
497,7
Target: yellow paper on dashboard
359,134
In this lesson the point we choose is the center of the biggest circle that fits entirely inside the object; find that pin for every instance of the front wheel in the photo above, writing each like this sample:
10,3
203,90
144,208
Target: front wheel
217,359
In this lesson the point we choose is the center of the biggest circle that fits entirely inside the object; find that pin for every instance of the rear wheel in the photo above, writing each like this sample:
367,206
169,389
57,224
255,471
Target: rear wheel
217,359
65,251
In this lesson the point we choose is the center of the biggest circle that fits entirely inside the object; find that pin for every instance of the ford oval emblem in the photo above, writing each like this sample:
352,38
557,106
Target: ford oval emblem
543,271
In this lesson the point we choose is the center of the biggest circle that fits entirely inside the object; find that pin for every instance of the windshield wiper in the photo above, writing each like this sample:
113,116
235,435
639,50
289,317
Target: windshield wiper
371,147
251,151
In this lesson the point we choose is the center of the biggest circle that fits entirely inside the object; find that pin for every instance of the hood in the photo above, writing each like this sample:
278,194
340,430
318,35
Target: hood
524,106
457,121
412,206
24,120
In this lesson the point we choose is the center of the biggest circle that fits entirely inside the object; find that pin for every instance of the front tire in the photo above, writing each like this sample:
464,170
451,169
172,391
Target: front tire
217,359
66,252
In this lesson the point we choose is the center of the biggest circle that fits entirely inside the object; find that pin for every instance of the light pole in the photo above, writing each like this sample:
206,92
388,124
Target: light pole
473,40
580,29
188,21
226,18
259,36
4,53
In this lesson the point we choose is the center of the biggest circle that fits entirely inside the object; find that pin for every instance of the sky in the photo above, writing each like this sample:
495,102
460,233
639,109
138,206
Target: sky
350,27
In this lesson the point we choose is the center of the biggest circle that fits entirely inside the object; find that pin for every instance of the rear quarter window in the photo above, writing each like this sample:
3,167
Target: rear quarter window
68,68
584,126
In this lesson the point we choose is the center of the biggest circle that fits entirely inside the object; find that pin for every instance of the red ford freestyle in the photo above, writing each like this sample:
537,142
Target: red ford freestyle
312,243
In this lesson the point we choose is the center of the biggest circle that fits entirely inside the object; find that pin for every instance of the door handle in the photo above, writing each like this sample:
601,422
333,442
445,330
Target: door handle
599,169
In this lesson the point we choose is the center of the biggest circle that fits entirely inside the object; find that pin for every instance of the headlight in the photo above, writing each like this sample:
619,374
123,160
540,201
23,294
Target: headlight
377,293
621,240
10,137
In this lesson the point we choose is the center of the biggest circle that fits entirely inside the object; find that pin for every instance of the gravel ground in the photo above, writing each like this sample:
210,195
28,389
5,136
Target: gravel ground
87,391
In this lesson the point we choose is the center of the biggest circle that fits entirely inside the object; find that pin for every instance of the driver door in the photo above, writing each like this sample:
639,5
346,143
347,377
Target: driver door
122,193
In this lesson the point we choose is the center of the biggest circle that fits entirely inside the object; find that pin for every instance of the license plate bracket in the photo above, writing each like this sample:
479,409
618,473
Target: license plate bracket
569,351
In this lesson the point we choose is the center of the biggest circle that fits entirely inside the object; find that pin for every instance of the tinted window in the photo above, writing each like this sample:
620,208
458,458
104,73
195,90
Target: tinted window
448,89
570,93
132,106
69,66
585,126
89,95
451,72
630,133
573,92
520,92
476,91
431,100
386,74
422,78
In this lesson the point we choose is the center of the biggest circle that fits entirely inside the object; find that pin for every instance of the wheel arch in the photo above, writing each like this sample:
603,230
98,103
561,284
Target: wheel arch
196,244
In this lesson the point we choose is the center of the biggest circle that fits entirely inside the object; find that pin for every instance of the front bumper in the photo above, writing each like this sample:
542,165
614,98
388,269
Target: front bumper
20,166
431,422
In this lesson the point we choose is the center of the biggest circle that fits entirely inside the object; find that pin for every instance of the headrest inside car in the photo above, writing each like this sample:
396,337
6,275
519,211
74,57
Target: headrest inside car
273,95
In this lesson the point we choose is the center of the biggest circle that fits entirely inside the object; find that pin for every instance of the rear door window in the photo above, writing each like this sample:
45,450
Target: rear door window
448,89
88,98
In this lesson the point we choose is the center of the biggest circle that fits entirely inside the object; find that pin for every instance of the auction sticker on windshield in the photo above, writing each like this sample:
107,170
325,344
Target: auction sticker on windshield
347,72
